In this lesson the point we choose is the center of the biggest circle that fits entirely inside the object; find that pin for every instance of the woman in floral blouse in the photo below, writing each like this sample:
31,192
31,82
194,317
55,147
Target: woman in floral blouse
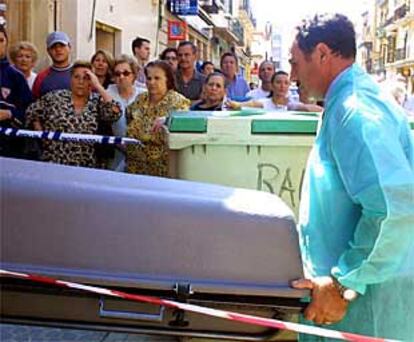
73,111
146,116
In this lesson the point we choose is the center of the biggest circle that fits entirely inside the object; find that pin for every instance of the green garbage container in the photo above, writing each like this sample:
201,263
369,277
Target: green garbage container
260,151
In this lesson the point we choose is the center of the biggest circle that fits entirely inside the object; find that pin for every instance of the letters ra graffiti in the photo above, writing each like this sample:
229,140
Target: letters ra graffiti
277,180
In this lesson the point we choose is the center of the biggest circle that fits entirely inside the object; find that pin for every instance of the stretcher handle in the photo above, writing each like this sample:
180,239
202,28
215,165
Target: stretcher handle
137,316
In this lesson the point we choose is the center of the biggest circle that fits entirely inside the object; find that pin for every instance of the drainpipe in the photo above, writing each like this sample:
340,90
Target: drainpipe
92,20
55,15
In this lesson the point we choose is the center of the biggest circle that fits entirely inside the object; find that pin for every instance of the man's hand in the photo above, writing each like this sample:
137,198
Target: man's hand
327,305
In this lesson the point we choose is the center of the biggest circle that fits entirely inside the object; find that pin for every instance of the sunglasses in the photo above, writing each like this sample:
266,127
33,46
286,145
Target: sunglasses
123,73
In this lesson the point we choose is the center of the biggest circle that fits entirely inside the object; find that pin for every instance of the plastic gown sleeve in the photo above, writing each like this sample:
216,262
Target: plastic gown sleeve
373,163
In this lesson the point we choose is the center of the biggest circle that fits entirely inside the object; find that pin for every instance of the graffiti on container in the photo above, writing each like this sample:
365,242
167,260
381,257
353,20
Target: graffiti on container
278,180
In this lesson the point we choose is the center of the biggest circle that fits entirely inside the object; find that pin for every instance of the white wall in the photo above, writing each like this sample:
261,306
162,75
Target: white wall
132,17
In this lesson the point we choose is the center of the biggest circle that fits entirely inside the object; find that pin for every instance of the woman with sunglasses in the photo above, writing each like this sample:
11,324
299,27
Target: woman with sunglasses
124,91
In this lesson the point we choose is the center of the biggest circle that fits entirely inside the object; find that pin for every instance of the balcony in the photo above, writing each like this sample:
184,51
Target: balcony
211,6
237,29
390,56
400,54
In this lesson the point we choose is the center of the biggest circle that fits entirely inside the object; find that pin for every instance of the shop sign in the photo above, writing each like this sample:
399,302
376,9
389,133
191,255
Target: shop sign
183,7
177,30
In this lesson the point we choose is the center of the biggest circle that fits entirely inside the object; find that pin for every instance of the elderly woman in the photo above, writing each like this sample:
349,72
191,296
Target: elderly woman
170,55
145,116
214,91
24,56
278,99
124,91
102,63
73,111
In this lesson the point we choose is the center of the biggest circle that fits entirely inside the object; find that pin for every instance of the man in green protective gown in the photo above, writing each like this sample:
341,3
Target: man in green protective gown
356,226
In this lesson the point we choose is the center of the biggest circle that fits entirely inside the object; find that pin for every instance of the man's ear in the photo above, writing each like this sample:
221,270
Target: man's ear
324,52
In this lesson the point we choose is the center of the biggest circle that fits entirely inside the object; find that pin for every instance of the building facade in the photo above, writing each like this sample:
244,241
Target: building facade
393,44
216,27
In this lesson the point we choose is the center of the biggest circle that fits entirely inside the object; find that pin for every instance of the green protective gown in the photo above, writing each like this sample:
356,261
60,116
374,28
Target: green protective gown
357,207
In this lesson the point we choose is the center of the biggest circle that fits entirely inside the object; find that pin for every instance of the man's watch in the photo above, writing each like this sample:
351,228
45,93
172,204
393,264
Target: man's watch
346,293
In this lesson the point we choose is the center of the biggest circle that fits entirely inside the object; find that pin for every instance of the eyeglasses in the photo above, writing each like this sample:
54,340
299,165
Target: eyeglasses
124,73
172,58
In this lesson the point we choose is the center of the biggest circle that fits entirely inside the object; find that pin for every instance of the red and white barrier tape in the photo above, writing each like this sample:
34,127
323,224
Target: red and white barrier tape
232,316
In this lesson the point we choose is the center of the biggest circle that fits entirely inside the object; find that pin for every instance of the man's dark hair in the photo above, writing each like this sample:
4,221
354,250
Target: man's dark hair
203,66
229,54
335,30
164,53
137,43
188,43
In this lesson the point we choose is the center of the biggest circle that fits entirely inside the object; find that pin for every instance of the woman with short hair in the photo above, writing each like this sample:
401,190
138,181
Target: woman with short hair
214,92
24,57
124,91
77,110
146,116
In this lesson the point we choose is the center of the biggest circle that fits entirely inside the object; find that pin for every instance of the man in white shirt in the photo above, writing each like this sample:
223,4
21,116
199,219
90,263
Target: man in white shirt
266,71
141,48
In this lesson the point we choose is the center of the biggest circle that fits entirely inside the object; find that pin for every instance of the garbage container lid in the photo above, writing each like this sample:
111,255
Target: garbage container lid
291,123
196,121
261,122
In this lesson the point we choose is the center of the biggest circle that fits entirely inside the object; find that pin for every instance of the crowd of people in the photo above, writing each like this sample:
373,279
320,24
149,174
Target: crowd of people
127,96
356,216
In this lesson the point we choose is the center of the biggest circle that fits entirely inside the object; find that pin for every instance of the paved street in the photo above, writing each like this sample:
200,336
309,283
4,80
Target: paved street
22,333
